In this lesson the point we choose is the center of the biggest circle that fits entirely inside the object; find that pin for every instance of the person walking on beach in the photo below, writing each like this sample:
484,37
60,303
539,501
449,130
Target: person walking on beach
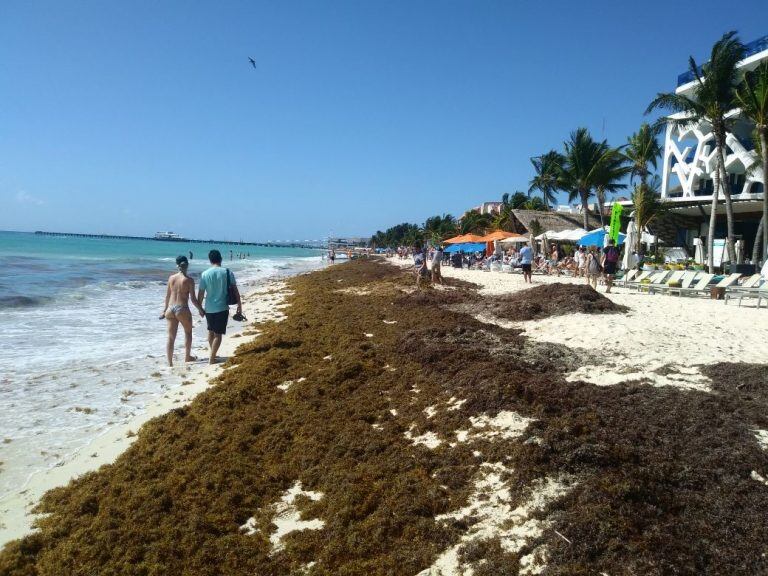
593,267
420,264
437,260
610,262
214,284
526,259
181,288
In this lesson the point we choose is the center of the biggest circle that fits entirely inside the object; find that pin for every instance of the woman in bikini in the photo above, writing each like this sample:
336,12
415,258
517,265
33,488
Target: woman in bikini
180,289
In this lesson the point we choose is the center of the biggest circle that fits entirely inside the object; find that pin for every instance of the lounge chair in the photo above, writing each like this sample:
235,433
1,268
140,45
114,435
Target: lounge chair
702,281
637,279
724,283
627,277
674,278
753,281
656,279
751,288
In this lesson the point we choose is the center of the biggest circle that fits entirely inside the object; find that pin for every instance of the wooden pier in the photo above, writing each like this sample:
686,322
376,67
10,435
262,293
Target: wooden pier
318,246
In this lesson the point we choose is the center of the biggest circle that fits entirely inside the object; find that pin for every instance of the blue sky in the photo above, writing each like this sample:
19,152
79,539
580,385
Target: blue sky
132,117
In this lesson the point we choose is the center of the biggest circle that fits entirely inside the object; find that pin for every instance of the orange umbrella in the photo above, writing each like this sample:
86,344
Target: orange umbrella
464,238
498,235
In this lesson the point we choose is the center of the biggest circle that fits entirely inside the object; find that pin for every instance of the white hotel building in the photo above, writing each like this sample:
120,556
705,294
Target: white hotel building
689,164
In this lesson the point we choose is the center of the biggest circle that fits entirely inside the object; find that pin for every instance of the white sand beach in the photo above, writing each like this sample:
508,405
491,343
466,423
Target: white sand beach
661,340
260,305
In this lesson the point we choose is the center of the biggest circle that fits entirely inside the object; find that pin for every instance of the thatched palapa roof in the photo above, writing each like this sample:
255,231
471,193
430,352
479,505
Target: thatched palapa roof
556,221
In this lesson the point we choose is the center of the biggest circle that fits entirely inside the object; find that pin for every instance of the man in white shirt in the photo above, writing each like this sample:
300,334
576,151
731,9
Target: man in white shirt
526,259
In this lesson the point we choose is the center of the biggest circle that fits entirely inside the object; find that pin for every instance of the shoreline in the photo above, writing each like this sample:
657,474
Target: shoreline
16,515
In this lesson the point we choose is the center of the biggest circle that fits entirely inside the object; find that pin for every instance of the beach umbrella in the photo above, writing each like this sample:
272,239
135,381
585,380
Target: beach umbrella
597,238
464,238
498,235
548,234
630,258
466,247
516,239
698,256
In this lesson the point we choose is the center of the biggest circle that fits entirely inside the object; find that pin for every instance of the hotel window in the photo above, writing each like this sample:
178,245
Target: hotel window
705,188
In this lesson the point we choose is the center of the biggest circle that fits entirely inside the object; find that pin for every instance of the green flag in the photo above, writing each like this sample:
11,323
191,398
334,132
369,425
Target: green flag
615,222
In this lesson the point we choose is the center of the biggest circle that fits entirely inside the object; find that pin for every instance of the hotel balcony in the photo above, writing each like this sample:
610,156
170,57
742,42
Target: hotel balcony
756,51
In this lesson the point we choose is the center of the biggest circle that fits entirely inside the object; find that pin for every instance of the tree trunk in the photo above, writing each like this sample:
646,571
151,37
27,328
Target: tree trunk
763,132
756,251
712,221
726,185
600,202
585,209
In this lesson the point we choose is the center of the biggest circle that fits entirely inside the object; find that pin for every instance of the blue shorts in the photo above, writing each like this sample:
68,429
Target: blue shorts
217,321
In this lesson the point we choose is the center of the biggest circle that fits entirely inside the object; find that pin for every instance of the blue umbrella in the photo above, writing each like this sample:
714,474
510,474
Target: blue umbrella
597,238
466,247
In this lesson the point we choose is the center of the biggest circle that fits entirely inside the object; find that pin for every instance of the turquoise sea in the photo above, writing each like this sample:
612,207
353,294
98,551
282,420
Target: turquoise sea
81,336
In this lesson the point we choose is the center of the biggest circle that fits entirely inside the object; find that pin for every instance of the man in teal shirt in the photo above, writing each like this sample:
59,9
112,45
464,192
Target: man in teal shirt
213,285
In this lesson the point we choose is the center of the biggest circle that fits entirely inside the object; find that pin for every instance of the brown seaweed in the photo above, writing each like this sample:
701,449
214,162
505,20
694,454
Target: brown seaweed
663,474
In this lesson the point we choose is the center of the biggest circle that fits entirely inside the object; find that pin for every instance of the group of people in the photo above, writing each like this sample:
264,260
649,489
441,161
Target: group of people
590,263
218,289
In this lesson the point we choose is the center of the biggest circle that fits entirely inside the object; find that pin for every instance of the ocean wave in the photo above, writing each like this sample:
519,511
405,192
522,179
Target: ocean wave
19,301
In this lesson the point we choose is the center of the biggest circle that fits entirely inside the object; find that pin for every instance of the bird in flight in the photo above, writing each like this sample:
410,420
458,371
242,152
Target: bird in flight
253,62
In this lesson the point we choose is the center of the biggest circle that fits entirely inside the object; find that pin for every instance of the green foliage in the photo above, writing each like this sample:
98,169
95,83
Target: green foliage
536,203
712,99
438,228
535,227
400,235
647,205
752,96
642,150
434,229
590,166
473,222
547,179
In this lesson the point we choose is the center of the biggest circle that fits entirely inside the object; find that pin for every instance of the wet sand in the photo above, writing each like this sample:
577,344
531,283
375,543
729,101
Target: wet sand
260,305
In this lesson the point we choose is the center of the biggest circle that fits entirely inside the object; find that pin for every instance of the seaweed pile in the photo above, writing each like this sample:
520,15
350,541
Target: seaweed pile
663,476
552,300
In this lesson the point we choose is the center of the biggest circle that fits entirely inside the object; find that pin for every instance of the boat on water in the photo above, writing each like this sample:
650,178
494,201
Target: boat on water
168,236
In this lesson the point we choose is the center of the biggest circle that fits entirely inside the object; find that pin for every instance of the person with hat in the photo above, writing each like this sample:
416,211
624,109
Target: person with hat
181,288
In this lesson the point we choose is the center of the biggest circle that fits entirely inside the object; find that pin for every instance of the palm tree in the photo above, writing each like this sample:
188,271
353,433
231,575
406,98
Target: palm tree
752,96
647,205
547,179
589,165
714,95
473,222
438,228
535,203
642,150
504,220
611,171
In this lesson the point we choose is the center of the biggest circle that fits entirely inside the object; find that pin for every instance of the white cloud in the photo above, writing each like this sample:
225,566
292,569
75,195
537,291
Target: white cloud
23,197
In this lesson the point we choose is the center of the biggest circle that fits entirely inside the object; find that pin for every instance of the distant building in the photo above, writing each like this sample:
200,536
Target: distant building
689,164
349,242
489,208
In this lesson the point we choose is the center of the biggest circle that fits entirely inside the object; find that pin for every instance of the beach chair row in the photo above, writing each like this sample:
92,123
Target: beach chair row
693,283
